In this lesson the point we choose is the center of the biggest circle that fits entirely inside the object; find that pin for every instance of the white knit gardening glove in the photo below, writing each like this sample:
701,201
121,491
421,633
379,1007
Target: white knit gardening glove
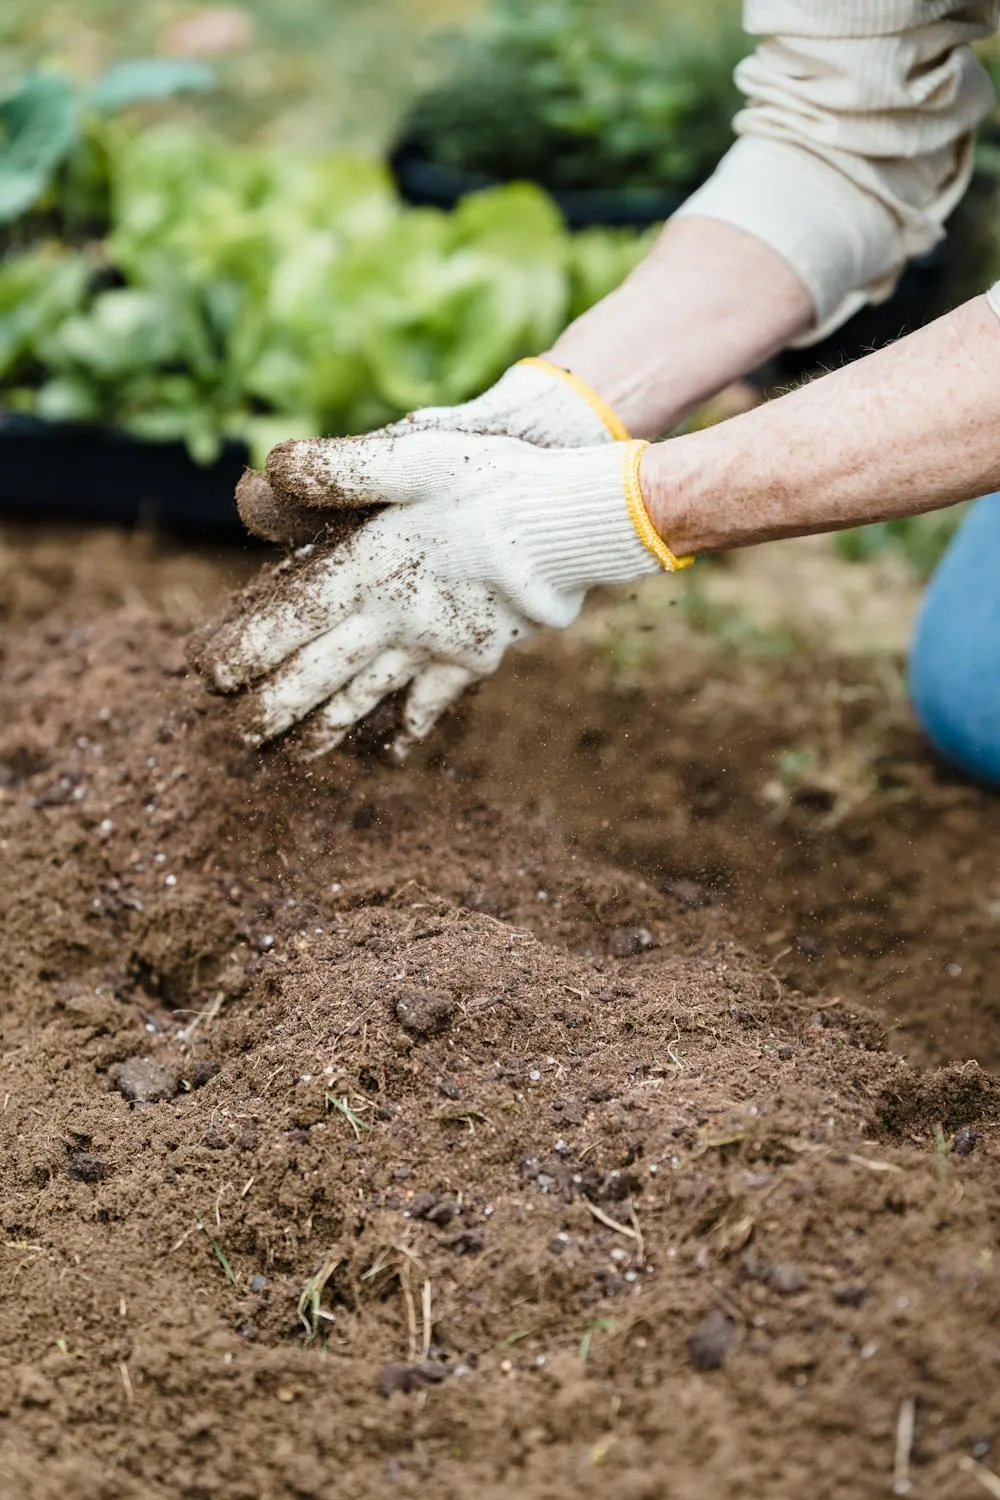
482,541
535,400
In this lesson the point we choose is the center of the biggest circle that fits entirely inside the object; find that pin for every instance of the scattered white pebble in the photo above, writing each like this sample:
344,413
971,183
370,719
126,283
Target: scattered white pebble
170,880
267,941
539,1361
954,970
618,1255
902,1302
106,826
868,1350
159,858
489,1209
631,1276
541,895
305,1078
534,1075
104,714
151,761
78,794
336,888
654,1167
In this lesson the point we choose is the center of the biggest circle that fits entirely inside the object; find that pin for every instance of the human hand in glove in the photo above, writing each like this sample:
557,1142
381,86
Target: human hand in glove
482,541
535,401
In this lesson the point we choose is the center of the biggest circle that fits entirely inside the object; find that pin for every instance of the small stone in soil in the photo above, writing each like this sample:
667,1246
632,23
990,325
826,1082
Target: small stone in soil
424,1013
711,1342
965,1141
144,1080
84,1168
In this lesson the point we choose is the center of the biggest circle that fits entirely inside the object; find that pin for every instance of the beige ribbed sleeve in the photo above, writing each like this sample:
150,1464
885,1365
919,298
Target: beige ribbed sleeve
856,140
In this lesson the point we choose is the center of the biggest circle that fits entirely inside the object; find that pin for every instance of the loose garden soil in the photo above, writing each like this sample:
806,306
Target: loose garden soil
599,1105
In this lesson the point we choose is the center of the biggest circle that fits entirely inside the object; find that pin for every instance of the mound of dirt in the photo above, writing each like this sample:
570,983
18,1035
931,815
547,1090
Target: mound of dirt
362,1134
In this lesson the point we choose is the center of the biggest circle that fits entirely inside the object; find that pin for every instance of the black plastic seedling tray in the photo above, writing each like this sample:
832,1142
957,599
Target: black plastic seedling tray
428,184
67,473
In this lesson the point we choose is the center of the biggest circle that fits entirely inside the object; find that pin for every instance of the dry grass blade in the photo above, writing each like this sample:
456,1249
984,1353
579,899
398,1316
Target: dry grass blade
901,1483
310,1312
428,1321
989,1481
610,1223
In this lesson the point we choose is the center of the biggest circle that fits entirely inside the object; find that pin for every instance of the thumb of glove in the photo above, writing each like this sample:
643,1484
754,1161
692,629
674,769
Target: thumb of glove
266,515
354,472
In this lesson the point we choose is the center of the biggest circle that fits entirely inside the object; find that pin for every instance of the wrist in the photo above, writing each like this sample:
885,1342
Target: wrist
683,482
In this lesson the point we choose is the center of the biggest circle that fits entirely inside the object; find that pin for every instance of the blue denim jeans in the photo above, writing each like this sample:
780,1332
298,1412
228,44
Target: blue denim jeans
955,655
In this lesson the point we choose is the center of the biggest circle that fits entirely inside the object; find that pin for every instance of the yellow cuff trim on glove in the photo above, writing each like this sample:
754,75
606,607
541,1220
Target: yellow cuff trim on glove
639,516
596,403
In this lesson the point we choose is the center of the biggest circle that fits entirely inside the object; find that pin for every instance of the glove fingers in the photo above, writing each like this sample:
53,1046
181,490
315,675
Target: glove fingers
313,675
345,473
389,672
284,610
435,689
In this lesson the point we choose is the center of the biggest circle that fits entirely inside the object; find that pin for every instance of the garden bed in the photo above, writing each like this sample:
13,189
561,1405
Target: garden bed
514,1120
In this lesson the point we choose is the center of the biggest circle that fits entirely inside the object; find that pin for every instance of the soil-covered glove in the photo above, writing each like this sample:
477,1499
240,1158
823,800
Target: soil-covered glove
535,400
482,541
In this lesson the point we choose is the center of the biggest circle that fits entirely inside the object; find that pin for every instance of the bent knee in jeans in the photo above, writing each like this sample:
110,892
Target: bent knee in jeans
955,654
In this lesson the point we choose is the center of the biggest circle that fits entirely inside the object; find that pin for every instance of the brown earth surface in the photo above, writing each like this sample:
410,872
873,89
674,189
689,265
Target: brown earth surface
523,1120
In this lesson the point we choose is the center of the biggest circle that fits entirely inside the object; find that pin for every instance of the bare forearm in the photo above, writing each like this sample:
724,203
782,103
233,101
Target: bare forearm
707,305
909,429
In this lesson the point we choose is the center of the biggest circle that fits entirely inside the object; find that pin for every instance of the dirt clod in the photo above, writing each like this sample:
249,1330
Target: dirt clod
424,1013
200,1072
712,1341
146,1080
84,1168
407,1378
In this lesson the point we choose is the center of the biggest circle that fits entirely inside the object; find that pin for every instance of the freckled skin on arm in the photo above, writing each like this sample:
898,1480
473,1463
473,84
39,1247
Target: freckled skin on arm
911,428
708,304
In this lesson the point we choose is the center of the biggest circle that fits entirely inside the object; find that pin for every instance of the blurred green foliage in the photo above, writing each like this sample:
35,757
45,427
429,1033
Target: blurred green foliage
566,93
249,293
919,541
